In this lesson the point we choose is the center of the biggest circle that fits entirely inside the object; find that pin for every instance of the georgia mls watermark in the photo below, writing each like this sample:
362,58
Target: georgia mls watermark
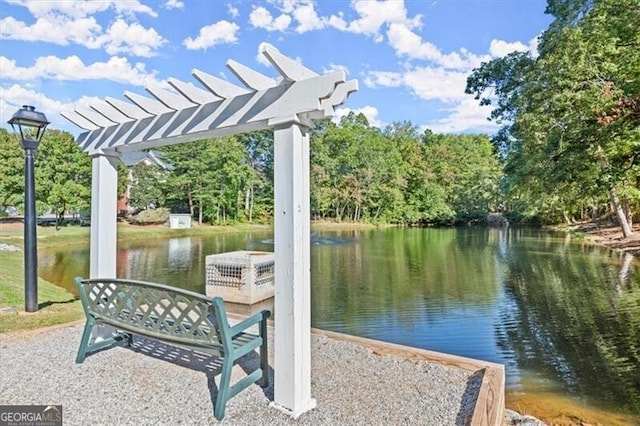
30,415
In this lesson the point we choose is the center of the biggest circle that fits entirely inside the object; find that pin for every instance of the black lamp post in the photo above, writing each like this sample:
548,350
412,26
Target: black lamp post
31,125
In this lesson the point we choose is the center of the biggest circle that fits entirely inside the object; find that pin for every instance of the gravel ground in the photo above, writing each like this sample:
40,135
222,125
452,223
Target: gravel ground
157,384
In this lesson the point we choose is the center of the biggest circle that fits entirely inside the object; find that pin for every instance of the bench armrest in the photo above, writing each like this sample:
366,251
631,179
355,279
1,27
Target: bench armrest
248,322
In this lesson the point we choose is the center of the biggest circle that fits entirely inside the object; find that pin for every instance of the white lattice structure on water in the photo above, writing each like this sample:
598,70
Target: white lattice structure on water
245,277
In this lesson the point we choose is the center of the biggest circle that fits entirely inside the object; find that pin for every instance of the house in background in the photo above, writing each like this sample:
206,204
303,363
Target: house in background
130,159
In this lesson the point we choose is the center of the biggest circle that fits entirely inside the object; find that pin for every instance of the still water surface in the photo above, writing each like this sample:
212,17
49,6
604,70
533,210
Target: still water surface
562,316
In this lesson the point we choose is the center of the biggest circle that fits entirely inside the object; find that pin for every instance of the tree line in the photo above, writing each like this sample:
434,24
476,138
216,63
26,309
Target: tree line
359,173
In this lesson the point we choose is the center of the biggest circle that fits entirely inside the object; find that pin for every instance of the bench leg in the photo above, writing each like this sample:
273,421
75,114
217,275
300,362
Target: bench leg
86,347
264,355
84,342
223,389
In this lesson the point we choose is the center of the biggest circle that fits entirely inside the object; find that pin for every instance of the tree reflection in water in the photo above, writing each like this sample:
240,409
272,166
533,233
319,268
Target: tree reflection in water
577,321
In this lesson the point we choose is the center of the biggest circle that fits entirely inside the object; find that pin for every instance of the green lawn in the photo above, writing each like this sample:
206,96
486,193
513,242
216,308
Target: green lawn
56,305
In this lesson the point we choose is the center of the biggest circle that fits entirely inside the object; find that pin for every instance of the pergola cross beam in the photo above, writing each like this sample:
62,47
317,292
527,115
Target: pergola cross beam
219,108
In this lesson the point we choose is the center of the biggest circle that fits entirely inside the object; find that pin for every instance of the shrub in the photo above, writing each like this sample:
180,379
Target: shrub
151,217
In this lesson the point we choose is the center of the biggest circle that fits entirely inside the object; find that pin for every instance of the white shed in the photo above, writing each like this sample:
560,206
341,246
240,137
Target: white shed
179,221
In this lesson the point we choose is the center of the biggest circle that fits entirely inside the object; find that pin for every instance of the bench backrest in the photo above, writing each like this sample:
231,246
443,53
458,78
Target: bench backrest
153,309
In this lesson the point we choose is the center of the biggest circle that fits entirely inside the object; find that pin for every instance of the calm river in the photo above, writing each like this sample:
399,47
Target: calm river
562,316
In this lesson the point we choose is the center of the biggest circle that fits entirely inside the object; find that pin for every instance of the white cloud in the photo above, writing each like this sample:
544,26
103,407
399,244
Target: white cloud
374,14
83,31
437,83
221,32
337,22
383,78
373,17
336,67
13,97
302,12
233,11
81,8
406,42
117,69
464,116
425,82
174,4
133,39
288,6
66,22
308,19
368,111
262,18
500,48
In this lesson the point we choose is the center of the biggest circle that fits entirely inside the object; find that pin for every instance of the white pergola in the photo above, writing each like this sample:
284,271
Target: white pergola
288,105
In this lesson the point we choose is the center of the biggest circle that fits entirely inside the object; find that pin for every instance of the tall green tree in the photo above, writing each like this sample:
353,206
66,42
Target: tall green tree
423,199
468,169
235,176
148,186
11,172
572,113
210,177
259,185
63,175
356,174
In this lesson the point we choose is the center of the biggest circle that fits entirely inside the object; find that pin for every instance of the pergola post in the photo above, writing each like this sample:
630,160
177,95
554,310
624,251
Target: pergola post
292,334
104,216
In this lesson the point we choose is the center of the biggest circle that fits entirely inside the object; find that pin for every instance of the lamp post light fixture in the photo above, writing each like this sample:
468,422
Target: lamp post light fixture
30,128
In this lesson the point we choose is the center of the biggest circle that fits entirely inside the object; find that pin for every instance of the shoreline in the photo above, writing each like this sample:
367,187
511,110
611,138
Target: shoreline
609,236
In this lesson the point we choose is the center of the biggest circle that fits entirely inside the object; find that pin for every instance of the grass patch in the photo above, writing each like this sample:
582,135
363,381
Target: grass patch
47,236
127,232
55,304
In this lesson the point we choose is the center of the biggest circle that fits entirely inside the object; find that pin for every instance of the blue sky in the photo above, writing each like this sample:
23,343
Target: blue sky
411,57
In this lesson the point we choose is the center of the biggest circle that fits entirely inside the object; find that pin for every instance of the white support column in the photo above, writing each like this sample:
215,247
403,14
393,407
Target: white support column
104,216
292,335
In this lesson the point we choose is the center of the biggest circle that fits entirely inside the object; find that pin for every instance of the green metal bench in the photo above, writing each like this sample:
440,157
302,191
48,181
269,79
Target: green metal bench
179,317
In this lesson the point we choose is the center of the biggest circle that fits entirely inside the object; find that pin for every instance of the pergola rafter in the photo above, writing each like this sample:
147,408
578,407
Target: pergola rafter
116,129
219,108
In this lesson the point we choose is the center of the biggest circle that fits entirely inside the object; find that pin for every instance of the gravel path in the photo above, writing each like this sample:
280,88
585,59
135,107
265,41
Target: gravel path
156,384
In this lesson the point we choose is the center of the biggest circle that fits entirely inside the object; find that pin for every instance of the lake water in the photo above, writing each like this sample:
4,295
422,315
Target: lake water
562,316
